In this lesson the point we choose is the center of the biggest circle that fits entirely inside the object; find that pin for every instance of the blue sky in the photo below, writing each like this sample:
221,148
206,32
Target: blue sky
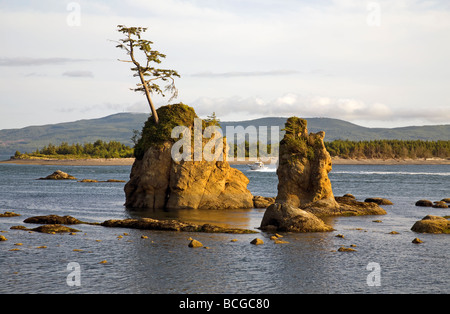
374,63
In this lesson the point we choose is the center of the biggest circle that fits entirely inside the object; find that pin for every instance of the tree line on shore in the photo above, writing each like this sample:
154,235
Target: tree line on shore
375,149
98,149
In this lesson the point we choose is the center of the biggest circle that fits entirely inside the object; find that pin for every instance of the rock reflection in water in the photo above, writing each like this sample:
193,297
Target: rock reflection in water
229,218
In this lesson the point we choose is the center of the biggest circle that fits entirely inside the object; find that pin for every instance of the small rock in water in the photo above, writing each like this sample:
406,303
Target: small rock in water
59,175
417,241
424,203
9,214
440,204
257,241
195,243
378,200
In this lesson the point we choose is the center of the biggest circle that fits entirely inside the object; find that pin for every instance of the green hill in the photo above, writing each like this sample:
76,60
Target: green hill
119,127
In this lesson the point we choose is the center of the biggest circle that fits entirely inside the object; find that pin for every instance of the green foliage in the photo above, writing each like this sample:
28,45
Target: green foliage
389,149
133,41
295,126
212,120
155,134
295,141
381,149
99,149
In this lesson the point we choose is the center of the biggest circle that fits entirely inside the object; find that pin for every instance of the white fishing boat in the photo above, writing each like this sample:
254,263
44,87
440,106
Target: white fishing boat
257,165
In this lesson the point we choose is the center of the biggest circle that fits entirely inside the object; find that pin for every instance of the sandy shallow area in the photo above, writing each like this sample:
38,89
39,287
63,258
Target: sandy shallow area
129,162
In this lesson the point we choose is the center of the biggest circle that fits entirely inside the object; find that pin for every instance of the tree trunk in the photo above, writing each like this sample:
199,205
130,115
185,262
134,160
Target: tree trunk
149,99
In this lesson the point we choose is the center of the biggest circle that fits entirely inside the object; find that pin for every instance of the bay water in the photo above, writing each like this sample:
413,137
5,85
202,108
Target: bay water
163,262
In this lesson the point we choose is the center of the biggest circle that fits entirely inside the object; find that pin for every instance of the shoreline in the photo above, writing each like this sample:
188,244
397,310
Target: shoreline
72,162
129,162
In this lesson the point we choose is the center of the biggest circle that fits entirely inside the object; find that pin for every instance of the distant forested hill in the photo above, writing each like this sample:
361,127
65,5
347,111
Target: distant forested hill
119,127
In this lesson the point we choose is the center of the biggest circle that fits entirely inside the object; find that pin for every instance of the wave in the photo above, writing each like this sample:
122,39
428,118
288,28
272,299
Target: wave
265,169
394,173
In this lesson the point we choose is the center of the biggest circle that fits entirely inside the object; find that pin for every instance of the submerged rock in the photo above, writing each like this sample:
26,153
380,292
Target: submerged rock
195,243
59,175
346,249
440,204
257,241
432,224
424,203
378,200
54,228
170,225
159,181
9,214
53,219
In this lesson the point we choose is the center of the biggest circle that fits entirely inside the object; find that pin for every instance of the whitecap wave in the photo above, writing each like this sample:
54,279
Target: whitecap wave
394,173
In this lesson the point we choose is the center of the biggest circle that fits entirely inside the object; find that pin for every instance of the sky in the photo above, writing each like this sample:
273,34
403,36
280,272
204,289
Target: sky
374,63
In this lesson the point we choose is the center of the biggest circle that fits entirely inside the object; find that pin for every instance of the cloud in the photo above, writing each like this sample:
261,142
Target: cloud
78,74
291,104
245,74
25,61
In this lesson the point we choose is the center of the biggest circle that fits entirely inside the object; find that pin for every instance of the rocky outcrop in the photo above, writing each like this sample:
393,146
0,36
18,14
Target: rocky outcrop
304,189
285,217
432,224
47,228
58,175
351,207
170,225
55,223
304,164
159,181
262,201
54,219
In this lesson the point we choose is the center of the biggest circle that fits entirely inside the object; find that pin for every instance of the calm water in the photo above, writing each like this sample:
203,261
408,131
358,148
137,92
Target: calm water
163,263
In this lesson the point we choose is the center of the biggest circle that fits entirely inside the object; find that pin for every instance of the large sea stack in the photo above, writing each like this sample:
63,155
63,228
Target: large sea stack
304,189
157,181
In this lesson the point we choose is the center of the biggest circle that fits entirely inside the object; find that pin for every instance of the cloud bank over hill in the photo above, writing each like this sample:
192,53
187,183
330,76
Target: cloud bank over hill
376,63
